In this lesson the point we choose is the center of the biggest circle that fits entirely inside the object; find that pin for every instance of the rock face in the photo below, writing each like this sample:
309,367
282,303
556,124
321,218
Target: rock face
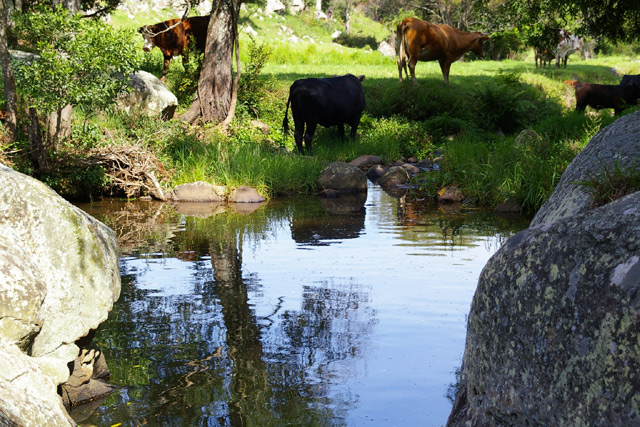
149,95
553,330
59,278
343,177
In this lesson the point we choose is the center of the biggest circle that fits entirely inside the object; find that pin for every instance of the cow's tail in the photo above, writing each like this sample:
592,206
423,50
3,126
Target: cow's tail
285,121
401,49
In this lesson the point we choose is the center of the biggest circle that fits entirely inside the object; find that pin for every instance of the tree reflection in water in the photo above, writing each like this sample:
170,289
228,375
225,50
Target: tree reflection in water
193,340
187,347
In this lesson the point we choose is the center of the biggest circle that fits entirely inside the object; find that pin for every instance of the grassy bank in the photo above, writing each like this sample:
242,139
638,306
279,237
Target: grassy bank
471,126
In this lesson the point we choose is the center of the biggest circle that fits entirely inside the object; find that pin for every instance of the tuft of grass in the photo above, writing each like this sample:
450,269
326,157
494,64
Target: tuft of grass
612,182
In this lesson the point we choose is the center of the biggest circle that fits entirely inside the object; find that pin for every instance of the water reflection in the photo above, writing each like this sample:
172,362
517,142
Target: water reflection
324,221
305,312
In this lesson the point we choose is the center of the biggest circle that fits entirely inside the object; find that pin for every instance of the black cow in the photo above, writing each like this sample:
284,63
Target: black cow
599,96
630,79
329,102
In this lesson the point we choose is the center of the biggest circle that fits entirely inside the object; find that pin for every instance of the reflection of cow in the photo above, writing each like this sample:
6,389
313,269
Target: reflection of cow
569,43
419,40
329,102
329,220
172,37
599,96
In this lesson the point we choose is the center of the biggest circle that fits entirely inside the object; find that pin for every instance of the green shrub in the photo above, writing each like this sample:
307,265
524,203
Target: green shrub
357,41
252,88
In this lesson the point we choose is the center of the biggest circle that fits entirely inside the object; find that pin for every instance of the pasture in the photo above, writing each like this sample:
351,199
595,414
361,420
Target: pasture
470,126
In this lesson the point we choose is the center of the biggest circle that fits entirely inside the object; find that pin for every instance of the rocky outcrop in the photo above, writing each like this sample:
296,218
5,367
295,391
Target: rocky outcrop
59,278
553,330
149,96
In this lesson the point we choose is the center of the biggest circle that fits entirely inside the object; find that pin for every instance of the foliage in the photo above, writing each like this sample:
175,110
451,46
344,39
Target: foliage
504,44
251,88
509,105
357,40
81,62
187,84
615,20
612,182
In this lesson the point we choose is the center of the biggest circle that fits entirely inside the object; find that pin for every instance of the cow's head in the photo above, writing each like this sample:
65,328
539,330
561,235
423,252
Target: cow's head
477,45
147,35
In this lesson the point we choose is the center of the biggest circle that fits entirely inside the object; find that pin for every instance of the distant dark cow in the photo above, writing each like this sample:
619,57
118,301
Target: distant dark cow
329,102
544,56
419,40
630,79
174,41
598,96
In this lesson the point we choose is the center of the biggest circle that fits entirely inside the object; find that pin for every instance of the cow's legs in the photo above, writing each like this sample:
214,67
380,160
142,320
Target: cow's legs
308,136
297,135
354,128
445,66
167,60
400,63
341,131
412,69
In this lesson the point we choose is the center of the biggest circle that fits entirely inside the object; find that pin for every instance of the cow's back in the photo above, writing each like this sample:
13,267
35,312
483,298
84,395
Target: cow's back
606,96
328,102
173,41
630,79
198,26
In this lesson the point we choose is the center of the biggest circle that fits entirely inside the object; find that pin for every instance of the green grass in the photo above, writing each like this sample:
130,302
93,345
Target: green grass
473,124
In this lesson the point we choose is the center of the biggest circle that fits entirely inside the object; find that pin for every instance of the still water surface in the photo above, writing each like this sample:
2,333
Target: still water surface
306,312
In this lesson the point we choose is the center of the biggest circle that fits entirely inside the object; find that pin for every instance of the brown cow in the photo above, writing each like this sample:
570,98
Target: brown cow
423,41
544,56
173,39
599,96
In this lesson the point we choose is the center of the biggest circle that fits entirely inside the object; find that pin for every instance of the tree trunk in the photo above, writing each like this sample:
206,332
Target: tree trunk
38,149
7,76
319,5
58,126
347,17
215,85
72,5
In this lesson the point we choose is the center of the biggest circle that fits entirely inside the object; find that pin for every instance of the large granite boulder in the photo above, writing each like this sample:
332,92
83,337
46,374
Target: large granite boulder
28,396
553,330
59,278
150,96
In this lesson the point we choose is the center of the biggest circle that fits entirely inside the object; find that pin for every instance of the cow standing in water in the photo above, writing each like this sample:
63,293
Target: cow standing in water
419,40
172,37
328,102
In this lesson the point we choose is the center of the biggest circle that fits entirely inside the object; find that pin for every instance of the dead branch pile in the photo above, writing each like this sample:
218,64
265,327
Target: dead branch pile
131,171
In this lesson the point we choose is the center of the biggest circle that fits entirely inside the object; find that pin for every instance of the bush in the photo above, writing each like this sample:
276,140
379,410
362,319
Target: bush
251,88
358,41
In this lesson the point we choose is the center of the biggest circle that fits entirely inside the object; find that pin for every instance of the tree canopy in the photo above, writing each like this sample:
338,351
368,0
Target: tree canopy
616,20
